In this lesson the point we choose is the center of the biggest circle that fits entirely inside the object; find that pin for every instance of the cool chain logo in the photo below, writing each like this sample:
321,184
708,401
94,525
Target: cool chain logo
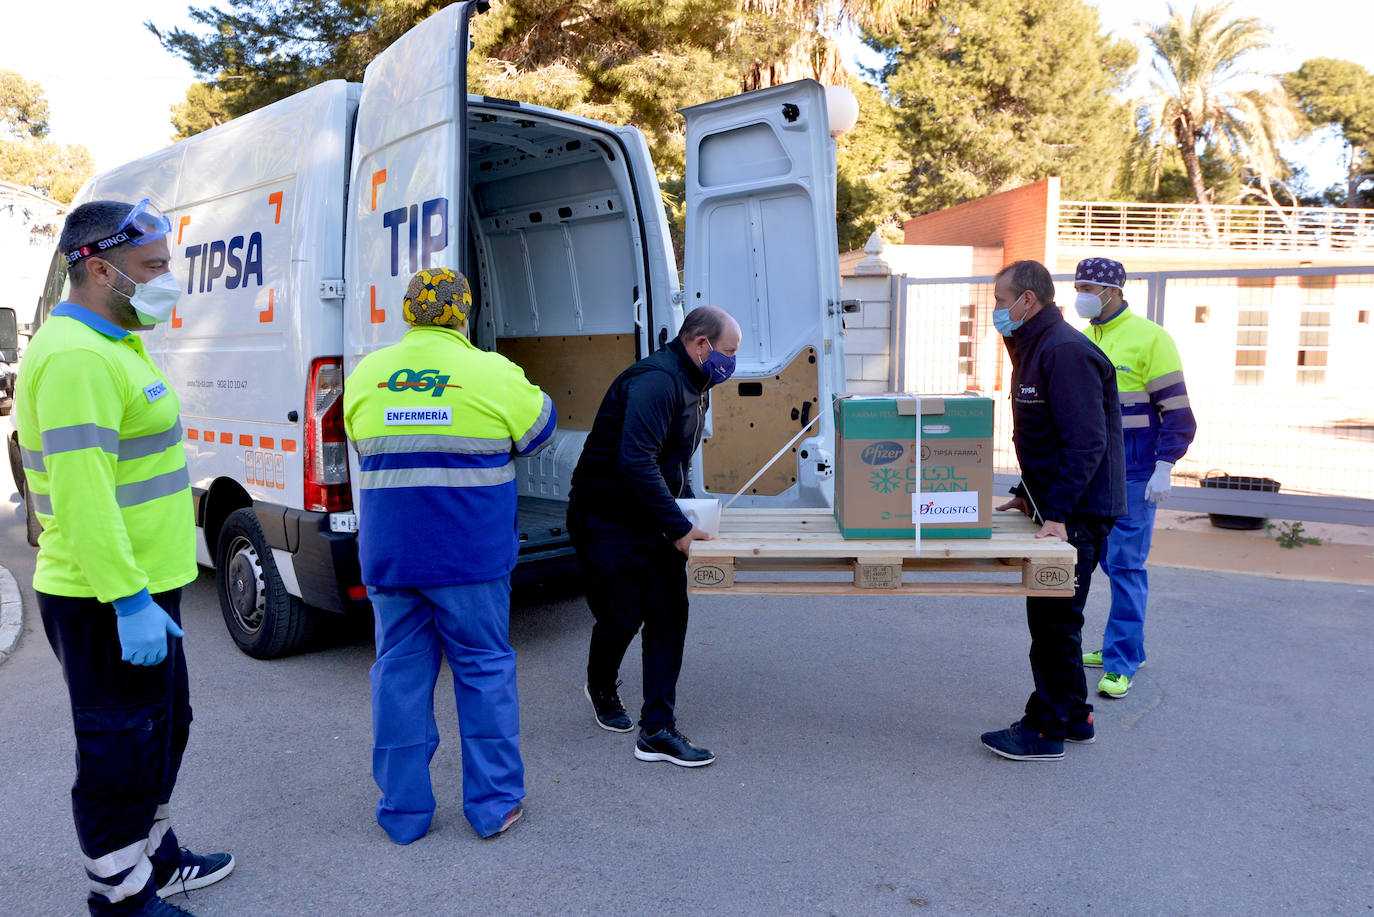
882,453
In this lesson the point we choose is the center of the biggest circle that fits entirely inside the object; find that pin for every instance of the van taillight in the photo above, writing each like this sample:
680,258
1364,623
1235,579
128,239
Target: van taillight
326,445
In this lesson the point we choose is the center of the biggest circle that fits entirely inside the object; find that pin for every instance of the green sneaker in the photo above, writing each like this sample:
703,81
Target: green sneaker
1093,659
1113,685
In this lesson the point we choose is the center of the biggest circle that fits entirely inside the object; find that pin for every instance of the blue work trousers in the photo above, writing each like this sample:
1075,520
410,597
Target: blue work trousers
1123,641
469,624
132,723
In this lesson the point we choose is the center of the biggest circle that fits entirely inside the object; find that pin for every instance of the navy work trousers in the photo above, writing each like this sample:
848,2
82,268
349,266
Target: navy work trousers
1056,630
634,581
131,725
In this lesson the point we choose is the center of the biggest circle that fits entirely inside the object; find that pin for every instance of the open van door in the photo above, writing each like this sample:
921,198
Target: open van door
760,243
406,199
406,203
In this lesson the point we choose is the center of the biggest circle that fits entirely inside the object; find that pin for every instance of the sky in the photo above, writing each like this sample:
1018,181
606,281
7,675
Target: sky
110,84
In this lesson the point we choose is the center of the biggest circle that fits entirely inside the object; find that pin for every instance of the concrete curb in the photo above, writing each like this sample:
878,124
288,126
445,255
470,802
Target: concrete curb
11,613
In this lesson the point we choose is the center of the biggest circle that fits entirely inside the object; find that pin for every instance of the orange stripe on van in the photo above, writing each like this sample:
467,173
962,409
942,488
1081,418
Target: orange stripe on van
181,227
267,442
209,436
378,315
227,439
378,178
193,434
245,440
288,445
264,317
274,199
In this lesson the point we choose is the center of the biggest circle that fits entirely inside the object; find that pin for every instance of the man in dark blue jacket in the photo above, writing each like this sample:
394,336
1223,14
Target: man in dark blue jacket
630,536
1066,421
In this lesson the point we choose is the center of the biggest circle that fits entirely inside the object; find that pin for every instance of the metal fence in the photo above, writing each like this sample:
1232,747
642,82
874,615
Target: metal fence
1218,226
1277,364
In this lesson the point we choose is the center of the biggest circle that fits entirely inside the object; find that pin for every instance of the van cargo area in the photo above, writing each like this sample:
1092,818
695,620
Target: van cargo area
557,266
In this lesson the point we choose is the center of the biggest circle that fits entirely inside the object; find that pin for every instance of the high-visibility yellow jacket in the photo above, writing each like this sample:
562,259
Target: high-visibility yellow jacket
1157,421
100,434
437,423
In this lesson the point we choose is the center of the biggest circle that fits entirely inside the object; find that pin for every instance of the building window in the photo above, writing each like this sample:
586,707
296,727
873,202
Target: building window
1314,337
1252,342
1363,317
1201,314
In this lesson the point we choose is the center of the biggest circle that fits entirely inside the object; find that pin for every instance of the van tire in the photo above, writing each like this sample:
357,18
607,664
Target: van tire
35,528
264,619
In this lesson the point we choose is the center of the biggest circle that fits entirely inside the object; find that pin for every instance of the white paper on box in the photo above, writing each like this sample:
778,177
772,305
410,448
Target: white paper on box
944,506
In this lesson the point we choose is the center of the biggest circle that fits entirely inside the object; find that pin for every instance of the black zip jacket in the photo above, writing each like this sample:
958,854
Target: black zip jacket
636,459
1066,420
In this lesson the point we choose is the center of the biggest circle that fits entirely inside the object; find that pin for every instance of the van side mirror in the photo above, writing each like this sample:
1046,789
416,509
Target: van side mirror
9,336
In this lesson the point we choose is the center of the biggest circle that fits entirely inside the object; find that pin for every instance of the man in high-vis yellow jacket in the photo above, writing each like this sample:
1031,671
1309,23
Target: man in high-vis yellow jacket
437,424
100,436
1157,424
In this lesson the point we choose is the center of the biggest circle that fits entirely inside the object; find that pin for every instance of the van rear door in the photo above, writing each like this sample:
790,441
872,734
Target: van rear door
408,171
760,243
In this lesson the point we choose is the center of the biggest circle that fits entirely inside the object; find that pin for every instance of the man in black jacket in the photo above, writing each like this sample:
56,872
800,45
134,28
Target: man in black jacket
630,536
1066,423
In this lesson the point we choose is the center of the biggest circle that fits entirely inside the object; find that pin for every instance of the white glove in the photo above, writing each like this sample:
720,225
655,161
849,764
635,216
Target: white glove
1157,488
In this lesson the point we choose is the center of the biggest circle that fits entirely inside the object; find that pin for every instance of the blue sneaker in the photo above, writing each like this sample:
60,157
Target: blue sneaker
1082,733
1021,744
196,871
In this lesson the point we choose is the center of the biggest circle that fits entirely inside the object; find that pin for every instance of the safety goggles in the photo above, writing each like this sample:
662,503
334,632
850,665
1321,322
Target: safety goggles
144,224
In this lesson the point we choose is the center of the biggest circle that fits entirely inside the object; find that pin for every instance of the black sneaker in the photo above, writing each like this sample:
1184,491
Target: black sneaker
671,746
196,872
156,907
609,711
1082,733
1021,744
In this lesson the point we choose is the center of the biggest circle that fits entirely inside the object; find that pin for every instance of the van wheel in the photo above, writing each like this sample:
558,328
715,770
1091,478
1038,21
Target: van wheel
35,528
264,619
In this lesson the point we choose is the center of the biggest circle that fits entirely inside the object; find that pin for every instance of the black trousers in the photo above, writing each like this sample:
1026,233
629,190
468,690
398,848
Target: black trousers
633,581
1056,630
131,726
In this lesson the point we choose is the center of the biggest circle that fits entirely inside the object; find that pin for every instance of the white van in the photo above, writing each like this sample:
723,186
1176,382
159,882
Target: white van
297,227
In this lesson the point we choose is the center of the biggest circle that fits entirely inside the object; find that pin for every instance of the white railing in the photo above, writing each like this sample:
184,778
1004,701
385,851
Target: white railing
1234,226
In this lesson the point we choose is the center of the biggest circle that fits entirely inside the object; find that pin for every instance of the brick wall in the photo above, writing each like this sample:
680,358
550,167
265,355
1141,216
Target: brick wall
1024,221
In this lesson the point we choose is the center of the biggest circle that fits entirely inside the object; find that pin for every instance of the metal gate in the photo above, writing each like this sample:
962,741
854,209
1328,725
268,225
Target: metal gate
1277,364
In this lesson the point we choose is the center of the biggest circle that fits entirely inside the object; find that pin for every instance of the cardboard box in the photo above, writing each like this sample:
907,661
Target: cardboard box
883,459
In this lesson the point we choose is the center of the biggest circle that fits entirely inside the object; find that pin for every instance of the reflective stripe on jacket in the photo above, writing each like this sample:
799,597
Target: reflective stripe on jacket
100,437
1156,418
437,424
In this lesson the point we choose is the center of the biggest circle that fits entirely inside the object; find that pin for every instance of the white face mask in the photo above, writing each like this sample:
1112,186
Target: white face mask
1089,305
154,300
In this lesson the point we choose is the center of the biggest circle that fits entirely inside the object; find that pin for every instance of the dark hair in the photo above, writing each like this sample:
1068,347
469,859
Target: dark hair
91,221
707,320
1030,275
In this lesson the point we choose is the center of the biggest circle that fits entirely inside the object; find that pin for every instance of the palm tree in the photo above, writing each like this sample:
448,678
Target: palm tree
1204,93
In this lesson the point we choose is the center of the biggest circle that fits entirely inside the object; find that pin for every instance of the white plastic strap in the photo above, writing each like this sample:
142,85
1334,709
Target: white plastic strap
769,464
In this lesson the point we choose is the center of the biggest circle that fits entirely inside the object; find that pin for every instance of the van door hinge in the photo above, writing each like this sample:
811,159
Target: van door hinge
332,289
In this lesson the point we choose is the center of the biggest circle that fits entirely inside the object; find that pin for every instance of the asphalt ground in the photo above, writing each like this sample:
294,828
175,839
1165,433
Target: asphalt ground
1234,778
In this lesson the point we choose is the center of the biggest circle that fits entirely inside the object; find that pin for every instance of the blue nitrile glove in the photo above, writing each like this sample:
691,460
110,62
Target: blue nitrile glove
1157,488
143,629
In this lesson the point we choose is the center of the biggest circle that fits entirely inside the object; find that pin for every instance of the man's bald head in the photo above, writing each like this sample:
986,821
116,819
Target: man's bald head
712,322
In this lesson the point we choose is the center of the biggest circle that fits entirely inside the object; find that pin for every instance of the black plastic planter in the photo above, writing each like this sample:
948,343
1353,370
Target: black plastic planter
1238,482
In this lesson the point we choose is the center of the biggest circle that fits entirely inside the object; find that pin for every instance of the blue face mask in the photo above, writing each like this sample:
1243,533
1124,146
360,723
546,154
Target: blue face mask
1001,320
717,366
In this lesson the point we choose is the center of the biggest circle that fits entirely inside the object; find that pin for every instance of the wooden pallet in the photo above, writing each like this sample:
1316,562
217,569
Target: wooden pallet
804,542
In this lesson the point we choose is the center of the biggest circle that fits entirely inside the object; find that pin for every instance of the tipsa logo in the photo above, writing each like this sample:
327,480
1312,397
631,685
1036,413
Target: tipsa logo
424,380
882,453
